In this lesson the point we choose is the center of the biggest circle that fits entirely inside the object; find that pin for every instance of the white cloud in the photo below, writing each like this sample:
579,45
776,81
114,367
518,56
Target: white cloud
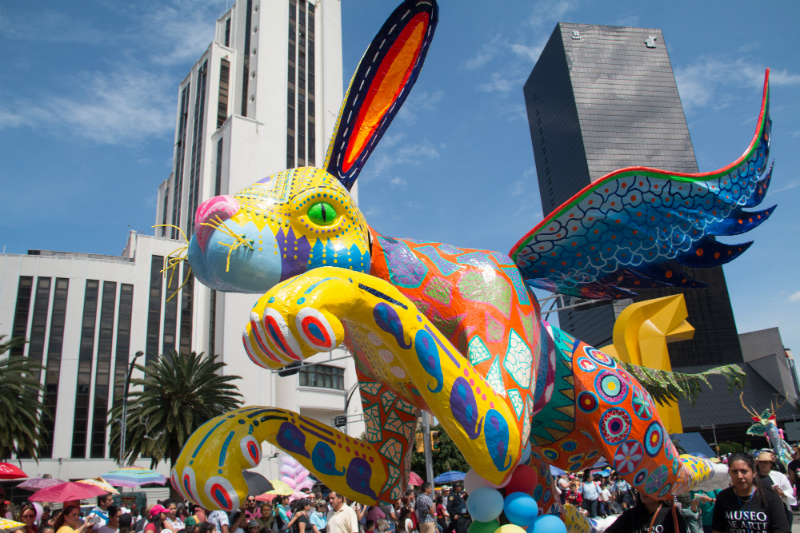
520,186
384,161
398,182
122,107
699,83
548,12
419,102
51,26
183,30
628,19
791,185
795,297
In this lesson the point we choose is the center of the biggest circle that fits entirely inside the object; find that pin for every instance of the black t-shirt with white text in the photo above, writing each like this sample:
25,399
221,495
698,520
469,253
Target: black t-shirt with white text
736,515
637,520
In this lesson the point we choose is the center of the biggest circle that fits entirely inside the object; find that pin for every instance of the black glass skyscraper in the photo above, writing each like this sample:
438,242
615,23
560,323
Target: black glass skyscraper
602,98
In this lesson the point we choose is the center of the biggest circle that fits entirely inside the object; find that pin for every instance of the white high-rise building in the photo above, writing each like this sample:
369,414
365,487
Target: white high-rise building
263,97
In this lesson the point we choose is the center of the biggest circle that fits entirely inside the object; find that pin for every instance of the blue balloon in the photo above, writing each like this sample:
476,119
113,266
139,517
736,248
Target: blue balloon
485,504
548,524
520,509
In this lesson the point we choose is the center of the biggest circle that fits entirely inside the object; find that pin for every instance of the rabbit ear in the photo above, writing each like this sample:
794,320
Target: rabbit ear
380,85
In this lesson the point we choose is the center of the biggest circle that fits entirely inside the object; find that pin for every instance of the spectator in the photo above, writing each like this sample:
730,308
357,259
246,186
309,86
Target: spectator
780,483
27,515
300,522
649,515
441,513
250,509
563,486
267,517
125,522
219,519
46,529
746,495
794,468
252,526
173,521
425,510
405,520
68,521
100,511
113,520
207,527
591,496
319,516
342,519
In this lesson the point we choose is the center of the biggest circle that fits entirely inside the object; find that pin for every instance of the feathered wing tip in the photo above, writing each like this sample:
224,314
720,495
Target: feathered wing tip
637,227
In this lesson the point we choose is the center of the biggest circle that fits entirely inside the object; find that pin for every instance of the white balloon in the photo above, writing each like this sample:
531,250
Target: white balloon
526,454
473,481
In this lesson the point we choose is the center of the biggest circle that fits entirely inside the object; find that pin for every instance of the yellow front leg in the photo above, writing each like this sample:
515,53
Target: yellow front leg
314,311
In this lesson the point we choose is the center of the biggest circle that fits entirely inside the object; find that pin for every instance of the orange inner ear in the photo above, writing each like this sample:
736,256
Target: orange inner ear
390,79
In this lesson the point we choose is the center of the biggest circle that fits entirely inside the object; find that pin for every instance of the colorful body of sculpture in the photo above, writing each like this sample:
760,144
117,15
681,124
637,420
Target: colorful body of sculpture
446,329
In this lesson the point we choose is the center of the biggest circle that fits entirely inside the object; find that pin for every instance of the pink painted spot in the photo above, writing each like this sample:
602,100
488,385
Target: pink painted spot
347,448
371,460
472,382
340,445
466,373
478,390
491,405
483,397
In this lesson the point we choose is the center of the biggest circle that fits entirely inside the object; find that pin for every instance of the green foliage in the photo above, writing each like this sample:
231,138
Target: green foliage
22,413
726,448
180,392
748,445
446,458
669,387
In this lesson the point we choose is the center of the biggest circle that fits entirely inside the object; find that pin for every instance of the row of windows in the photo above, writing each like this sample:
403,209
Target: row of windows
322,376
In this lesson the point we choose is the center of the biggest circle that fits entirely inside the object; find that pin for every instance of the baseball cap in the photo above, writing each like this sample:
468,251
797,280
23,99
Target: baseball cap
252,523
191,521
157,509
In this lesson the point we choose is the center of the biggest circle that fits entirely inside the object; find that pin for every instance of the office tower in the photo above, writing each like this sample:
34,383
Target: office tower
263,97
601,98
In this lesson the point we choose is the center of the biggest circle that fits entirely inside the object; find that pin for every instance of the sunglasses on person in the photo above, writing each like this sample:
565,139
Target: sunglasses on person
29,515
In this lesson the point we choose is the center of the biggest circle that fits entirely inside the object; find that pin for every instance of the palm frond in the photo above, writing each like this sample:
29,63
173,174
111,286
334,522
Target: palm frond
669,387
22,414
178,394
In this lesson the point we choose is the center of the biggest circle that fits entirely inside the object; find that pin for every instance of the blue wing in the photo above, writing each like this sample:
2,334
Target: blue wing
636,227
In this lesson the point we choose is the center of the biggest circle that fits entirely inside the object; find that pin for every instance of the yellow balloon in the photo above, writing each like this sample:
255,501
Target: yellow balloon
510,528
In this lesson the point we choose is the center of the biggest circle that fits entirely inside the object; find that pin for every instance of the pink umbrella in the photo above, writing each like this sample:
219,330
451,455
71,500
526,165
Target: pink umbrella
66,492
414,479
38,483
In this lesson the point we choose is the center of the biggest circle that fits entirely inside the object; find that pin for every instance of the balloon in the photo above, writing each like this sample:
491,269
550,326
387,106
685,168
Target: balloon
548,524
524,479
511,528
520,509
485,504
526,454
473,481
483,527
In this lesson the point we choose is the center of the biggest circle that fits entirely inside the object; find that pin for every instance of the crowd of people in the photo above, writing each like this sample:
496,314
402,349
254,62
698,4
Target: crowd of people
760,499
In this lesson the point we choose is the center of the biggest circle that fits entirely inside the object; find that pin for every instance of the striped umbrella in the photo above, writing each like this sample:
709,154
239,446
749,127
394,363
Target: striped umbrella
99,482
133,476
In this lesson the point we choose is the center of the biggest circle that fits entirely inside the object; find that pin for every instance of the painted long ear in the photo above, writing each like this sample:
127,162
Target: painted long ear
384,77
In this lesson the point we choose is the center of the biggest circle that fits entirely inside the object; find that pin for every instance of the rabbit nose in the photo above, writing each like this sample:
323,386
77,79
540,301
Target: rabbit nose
219,208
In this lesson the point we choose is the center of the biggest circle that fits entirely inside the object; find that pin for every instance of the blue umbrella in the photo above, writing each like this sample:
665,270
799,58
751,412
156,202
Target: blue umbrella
449,477
554,470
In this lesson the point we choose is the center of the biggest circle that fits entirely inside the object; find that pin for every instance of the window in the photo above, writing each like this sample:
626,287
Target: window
103,370
246,61
39,322
57,317
171,311
154,309
123,339
228,31
212,323
322,376
218,174
180,155
197,147
187,305
21,312
165,207
224,79
85,355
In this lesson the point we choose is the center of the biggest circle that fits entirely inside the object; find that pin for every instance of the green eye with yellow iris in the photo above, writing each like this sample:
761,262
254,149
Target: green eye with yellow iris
322,214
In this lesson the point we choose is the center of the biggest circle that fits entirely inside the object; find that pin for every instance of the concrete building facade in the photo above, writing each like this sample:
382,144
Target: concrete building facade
263,97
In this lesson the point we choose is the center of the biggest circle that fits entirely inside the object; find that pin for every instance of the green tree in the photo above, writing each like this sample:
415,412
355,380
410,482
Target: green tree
22,414
179,393
448,457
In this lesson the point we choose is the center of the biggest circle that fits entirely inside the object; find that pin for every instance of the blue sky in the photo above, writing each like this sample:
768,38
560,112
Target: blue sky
89,91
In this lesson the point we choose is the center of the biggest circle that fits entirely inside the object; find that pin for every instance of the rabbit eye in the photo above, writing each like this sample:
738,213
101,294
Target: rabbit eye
322,214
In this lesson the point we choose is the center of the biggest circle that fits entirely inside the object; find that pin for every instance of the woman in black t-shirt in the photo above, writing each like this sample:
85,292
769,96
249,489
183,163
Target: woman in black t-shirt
300,522
746,507
649,516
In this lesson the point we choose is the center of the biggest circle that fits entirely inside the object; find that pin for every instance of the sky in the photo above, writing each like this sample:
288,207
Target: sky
89,89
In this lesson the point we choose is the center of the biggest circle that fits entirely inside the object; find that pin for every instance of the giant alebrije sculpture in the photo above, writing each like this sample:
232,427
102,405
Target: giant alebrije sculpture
451,330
